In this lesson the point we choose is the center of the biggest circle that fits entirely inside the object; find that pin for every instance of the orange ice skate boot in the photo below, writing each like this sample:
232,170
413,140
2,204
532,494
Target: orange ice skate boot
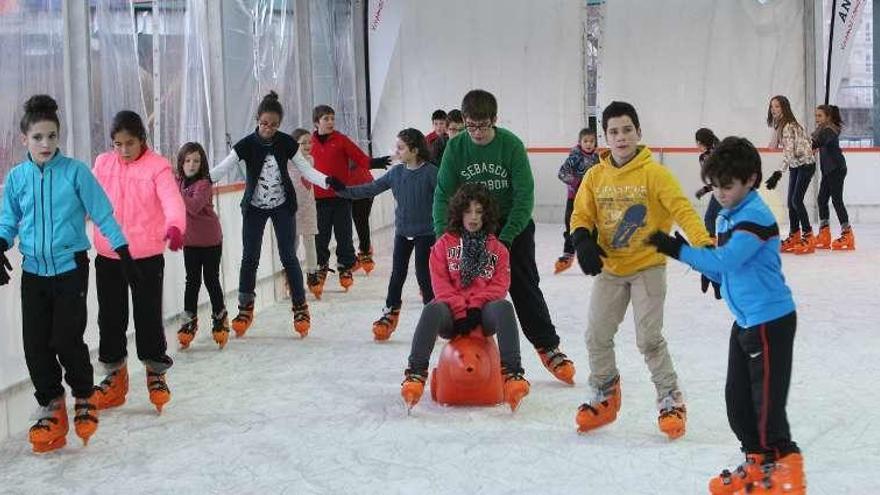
243,321
386,324
220,328
85,418
187,331
823,240
50,431
730,482
302,320
558,364
602,407
160,394
412,388
672,418
112,390
515,388
783,477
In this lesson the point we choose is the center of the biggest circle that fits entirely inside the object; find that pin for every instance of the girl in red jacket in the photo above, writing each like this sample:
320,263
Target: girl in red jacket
470,274
147,204
202,245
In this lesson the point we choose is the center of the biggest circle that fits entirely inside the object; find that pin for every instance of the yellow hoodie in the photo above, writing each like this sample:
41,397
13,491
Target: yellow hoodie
627,204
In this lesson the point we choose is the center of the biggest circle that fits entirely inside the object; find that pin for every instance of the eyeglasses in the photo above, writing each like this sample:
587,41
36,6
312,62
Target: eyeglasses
271,125
478,126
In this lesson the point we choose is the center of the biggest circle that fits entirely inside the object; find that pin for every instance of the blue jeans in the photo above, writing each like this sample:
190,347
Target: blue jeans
253,225
403,248
798,182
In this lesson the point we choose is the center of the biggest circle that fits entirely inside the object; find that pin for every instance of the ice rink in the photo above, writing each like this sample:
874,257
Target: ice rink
275,414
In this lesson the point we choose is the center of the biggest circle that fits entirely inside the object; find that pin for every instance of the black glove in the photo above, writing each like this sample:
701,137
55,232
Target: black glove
704,286
380,162
589,253
5,267
773,180
335,184
130,270
666,244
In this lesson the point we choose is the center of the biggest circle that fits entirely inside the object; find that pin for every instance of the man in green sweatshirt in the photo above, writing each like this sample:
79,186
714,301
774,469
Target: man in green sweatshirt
496,158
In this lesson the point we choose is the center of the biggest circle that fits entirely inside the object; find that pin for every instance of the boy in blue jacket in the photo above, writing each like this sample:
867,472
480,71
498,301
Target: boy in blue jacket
45,202
746,263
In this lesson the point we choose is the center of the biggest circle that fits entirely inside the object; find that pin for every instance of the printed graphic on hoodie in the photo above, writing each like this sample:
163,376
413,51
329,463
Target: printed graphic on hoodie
622,210
494,177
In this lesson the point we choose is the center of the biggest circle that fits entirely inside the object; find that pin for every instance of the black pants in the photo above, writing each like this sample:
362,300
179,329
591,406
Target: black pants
758,375
198,261
403,248
253,226
53,317
436,319
334,218
566,236
531,309
146,296
831,186
798,182
711,214
360,213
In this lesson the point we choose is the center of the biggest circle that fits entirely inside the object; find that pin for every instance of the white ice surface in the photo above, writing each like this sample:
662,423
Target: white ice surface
276,414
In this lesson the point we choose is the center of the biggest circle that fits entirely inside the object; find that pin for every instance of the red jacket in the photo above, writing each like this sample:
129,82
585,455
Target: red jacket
332,158
491,285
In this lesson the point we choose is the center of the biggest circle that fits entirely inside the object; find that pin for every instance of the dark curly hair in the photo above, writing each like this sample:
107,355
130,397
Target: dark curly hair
415,140
462,200
188,148
37,109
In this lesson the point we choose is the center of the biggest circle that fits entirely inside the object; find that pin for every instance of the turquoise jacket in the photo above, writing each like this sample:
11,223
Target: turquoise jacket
46,209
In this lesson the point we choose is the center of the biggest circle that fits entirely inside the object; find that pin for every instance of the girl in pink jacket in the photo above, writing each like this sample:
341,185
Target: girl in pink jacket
202,246
470,274
147,204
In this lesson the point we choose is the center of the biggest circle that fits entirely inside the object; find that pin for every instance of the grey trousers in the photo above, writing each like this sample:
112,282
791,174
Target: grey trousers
608,302
436,319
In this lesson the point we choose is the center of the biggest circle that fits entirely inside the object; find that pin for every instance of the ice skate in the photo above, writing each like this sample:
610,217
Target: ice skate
365,261
346,280
602,407
673,415
807,244
846,241
112,390
220,328
790,242
315,284
160,394
386,324
412,387
783,477
558,364
243,321
730,482
302,320
515,388
85,418
187,331
823,240
50,431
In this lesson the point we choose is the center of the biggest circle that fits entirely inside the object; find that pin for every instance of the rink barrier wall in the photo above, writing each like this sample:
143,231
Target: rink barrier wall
16,400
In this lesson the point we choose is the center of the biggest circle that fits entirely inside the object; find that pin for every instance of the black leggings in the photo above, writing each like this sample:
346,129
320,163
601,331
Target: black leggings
798,182
832,187
360,213
199,260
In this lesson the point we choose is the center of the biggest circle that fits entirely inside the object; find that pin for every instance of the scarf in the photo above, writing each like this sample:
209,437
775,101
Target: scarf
474,256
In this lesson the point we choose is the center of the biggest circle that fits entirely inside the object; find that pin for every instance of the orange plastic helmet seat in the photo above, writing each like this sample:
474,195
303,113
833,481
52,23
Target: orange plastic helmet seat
468,372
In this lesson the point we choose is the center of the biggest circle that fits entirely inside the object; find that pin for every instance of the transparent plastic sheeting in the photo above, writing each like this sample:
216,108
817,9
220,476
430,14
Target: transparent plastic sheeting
259,56
184,109
333,68
116,74
528,54
31,61
686,65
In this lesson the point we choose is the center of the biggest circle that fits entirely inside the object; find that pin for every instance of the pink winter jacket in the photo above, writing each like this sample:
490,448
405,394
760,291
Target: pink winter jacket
491,285
145,199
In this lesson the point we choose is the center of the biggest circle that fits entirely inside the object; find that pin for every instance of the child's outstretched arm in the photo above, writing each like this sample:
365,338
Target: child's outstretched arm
308,172
673,199
369,189
98,206
441,281
225,166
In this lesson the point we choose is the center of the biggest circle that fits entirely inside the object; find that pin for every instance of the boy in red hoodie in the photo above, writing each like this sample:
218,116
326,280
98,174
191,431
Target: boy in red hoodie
470,274
332,153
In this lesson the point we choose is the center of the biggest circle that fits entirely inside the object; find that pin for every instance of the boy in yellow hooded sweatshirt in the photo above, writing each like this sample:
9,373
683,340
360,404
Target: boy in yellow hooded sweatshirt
620,202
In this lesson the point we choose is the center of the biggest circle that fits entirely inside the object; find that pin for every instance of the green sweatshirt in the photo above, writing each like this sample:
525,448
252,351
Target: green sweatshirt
502,166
